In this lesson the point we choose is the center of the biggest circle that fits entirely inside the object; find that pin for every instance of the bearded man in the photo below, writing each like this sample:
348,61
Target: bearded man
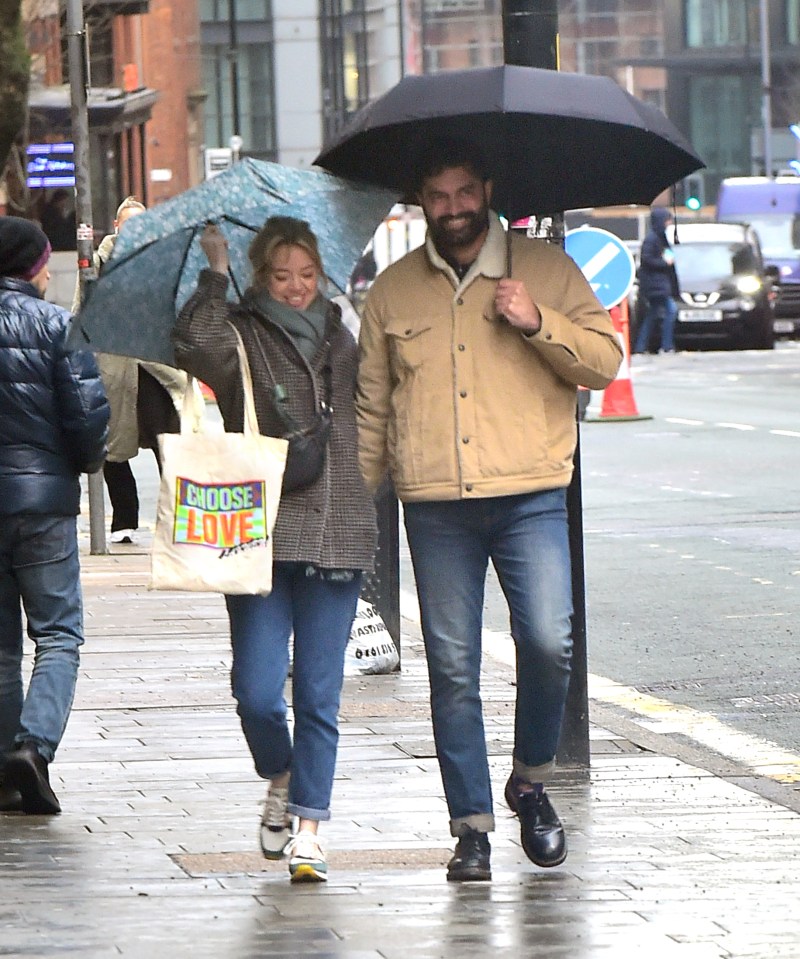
467,400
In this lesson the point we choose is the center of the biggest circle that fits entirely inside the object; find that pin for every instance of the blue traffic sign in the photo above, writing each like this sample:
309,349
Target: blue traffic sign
604,260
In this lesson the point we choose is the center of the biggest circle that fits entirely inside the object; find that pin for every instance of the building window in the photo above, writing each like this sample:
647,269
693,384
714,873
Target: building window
656,97
345,67
237,57
717,23
458,34
723,112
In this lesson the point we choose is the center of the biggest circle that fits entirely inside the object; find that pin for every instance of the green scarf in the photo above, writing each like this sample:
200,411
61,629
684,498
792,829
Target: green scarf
306,327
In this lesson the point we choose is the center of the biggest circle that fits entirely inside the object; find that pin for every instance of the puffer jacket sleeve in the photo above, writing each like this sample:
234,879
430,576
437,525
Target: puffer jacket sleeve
83,405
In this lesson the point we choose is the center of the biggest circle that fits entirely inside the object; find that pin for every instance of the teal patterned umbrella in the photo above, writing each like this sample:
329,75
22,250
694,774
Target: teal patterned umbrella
131,308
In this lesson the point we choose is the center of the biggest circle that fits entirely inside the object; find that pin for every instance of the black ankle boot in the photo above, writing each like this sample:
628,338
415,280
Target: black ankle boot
26,772
471,859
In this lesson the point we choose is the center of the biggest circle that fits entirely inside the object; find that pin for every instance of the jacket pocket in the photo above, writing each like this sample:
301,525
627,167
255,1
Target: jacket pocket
408,344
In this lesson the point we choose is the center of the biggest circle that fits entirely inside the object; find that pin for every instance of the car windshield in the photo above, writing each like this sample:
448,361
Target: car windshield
779,233
697,262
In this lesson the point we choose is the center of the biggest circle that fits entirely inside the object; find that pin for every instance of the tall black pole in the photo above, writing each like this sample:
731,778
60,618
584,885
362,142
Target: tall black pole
78,65
530,39
530,33
233,59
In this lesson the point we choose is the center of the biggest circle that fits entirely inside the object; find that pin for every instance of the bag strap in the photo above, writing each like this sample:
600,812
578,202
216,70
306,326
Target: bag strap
250,419
278,396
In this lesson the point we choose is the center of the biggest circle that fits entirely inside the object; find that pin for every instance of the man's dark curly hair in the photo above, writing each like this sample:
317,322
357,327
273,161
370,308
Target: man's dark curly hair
442,153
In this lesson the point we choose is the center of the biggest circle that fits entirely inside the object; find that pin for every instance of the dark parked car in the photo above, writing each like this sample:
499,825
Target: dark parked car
727,294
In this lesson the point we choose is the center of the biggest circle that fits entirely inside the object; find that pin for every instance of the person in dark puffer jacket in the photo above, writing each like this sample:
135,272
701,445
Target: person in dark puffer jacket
53,427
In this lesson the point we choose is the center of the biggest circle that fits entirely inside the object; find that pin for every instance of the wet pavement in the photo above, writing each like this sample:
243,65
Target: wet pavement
672,854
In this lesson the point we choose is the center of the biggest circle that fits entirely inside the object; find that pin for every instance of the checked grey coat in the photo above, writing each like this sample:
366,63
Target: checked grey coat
330,524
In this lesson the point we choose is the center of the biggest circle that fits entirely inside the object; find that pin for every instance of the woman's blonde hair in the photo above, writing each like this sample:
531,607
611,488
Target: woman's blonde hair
281,231
130,203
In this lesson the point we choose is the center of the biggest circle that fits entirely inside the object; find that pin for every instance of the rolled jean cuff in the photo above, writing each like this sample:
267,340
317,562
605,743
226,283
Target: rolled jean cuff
480,822
306,812
534,774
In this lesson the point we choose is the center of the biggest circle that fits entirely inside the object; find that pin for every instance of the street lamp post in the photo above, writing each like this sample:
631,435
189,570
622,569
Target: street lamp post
78,65
766,85
530,38
233,61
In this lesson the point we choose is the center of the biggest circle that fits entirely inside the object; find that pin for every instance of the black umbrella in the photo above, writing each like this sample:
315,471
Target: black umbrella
552,141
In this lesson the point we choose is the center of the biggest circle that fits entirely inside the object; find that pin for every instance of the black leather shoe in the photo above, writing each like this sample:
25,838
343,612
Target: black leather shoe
541,832
10,799
470,862
26,771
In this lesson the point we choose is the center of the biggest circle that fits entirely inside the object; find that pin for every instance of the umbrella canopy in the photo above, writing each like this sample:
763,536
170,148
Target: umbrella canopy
552,141
131,308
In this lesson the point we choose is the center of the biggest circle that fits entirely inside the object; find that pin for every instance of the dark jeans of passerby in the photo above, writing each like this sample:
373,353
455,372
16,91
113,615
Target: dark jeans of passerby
156,414
121,485
451,543
321,615
661,313
40,572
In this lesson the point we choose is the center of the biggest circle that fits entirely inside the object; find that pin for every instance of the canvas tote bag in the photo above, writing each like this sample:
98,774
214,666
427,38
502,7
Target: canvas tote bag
217,503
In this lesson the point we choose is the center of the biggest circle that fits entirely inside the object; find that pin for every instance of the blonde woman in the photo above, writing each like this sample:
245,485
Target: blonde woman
298,350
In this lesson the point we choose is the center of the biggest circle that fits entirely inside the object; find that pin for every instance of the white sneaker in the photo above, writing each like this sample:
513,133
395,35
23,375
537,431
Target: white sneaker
307,858
276,824
123,536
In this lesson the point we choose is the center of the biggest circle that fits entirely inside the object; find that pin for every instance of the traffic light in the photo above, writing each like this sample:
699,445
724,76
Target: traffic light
691,191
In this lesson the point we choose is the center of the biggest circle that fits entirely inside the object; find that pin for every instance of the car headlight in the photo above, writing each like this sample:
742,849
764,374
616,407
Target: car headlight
748,283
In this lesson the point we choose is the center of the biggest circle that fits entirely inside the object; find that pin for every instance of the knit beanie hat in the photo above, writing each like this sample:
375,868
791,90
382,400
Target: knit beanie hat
24,247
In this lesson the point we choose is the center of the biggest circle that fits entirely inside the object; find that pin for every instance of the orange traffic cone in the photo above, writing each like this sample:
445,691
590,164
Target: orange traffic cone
618,400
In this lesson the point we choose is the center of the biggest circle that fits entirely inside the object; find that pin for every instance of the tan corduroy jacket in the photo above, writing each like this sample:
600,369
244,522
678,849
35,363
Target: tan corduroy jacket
455,402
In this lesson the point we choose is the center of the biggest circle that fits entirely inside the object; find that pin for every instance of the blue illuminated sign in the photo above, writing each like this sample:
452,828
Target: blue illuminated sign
50,165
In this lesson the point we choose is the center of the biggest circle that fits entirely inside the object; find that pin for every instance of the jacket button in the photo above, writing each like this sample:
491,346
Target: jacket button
463,393
460,301
465,439
468,487
461,347
407,333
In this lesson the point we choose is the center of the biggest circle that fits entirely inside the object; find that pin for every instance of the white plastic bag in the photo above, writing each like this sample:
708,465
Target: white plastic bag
371,648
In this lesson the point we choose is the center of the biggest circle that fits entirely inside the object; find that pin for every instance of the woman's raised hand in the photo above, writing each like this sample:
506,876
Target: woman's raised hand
215,247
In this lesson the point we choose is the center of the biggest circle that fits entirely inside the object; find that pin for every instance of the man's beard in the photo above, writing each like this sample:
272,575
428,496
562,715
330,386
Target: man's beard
448,240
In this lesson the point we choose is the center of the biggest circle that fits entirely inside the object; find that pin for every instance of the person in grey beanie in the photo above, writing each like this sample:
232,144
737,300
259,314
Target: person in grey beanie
53,426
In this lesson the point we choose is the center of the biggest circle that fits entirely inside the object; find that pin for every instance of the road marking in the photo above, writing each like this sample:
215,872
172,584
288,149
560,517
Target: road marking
695,492
742,427
658,715
763,757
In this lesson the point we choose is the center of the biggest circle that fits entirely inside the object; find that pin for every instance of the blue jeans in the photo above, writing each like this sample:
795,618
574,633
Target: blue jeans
39,568
662,311
321,615
451,544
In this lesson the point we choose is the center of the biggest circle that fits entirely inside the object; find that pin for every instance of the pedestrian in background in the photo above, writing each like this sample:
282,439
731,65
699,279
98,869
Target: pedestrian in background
467,397
53,426
658,285
58,221
145,400
298,350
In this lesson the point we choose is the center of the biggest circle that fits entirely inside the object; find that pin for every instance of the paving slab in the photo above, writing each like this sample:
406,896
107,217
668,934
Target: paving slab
156,854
